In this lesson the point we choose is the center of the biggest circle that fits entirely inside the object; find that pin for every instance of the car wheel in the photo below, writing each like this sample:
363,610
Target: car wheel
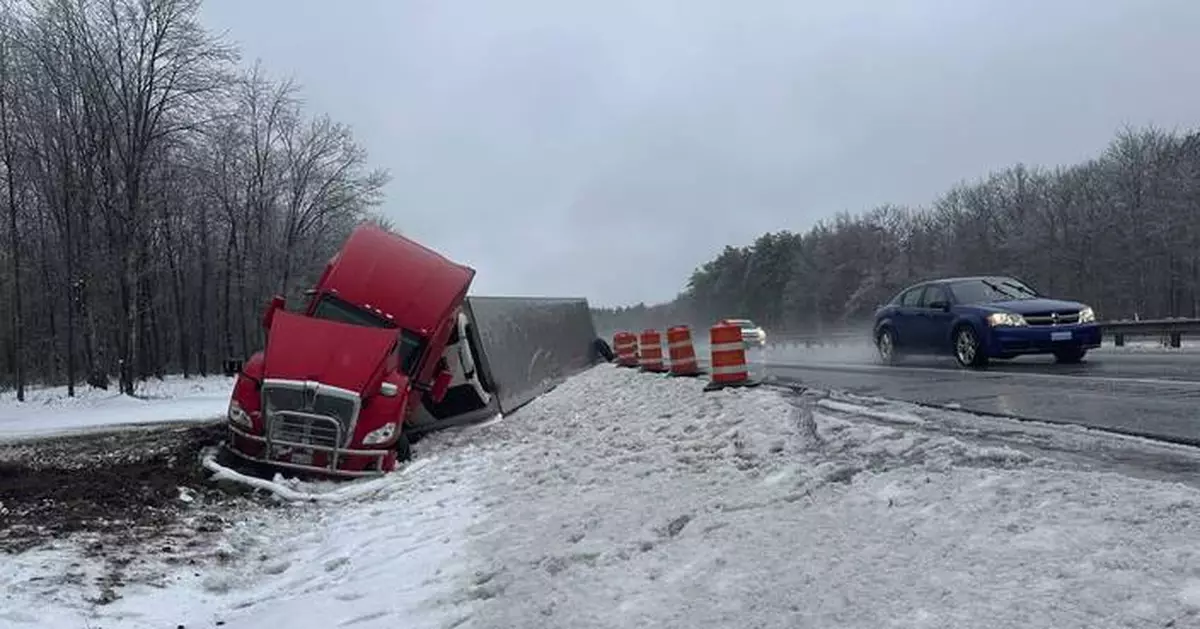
967,349
885,343
1070,356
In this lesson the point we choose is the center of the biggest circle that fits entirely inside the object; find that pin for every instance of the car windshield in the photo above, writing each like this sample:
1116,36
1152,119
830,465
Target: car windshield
408,350
744,324
990,290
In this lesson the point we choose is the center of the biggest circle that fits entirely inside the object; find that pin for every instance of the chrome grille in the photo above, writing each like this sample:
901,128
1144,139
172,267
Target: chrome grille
309,412
301,428
1053,318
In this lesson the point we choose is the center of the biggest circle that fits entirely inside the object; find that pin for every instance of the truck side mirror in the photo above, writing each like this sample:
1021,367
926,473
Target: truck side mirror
441,384
278,302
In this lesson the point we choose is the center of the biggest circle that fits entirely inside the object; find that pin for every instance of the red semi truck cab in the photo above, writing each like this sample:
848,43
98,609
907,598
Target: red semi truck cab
332,390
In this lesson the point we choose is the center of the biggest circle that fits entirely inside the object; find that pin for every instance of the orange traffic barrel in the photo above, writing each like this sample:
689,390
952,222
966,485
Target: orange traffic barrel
651,356
681,351
626,346
728,357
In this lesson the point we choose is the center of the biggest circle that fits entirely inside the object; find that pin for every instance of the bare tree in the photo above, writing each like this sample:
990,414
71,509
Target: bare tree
151,187
8,91
1121,231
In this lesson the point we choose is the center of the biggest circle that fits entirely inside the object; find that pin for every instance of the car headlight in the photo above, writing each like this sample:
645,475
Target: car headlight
1087,315
381,434
238,415
1010,319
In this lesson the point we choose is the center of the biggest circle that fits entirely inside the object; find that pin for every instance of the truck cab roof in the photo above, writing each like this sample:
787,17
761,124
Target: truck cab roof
406,282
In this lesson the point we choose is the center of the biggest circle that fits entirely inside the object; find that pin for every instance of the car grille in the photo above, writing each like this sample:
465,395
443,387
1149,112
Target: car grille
308,415
1053,318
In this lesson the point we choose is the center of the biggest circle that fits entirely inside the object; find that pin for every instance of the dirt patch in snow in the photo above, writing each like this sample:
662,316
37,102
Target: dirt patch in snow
123,488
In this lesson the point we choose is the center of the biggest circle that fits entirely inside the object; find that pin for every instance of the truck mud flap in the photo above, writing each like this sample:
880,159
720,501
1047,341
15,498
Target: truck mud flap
529,345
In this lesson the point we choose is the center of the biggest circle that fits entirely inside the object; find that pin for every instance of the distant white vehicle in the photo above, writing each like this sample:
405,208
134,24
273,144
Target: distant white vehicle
752,334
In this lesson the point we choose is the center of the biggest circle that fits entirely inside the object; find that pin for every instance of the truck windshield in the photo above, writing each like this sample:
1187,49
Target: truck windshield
334,309
408,350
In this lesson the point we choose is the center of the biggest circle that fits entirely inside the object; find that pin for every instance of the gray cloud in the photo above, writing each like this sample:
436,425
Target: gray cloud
607,148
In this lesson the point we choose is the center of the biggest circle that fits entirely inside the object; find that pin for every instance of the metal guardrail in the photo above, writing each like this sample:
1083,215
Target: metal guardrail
1169,330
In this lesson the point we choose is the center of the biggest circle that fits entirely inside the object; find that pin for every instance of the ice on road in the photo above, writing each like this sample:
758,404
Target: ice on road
48,411
624,499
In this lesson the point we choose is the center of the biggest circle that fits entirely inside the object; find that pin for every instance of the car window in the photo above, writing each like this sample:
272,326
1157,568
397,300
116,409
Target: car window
912,298
934,294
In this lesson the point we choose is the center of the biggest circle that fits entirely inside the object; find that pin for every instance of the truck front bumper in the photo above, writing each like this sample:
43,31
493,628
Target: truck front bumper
309,458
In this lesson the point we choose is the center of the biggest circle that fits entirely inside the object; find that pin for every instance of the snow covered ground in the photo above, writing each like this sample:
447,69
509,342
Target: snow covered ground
48,411
624,499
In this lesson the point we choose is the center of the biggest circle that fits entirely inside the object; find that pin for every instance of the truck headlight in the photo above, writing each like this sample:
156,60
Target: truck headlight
1006,319
238,415
381,434
1087,315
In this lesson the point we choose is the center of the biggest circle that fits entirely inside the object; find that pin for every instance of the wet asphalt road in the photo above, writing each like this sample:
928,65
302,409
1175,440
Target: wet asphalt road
1154,393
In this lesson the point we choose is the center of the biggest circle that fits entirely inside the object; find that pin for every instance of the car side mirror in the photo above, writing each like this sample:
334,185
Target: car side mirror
278,302
944,306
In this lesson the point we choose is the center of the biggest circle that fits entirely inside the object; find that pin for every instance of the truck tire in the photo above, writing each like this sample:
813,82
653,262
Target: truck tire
602,348
403,448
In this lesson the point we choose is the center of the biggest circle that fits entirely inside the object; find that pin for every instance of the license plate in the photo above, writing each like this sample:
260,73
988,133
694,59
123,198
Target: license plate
1060,336
302,457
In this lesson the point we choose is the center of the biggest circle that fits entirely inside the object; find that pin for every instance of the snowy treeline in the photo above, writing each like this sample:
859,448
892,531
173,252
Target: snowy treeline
154,191
1121,232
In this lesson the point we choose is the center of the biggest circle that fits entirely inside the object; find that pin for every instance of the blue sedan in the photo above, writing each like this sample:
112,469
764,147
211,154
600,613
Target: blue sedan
981,318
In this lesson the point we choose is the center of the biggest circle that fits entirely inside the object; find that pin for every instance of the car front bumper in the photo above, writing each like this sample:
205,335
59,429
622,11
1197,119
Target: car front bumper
1042,339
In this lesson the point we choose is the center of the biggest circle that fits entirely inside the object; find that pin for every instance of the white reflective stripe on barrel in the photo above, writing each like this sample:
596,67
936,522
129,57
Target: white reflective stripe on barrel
729,369
680,344
727,347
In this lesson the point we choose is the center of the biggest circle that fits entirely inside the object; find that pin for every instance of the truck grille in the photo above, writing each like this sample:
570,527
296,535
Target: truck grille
1053,318
309,413
310,430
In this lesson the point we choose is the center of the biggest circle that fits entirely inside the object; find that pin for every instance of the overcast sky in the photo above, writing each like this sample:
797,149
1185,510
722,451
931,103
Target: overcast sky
606,148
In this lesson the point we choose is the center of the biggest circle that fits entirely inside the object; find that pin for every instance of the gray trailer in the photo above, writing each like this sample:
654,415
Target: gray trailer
505,352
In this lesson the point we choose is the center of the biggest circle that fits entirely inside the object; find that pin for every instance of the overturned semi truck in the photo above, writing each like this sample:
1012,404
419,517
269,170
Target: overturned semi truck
390,346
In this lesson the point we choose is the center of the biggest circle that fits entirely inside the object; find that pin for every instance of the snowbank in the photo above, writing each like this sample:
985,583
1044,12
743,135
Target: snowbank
623,499
48,410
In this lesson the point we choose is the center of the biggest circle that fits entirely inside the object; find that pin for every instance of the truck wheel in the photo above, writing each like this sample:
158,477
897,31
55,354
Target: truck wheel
604,350
403,448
